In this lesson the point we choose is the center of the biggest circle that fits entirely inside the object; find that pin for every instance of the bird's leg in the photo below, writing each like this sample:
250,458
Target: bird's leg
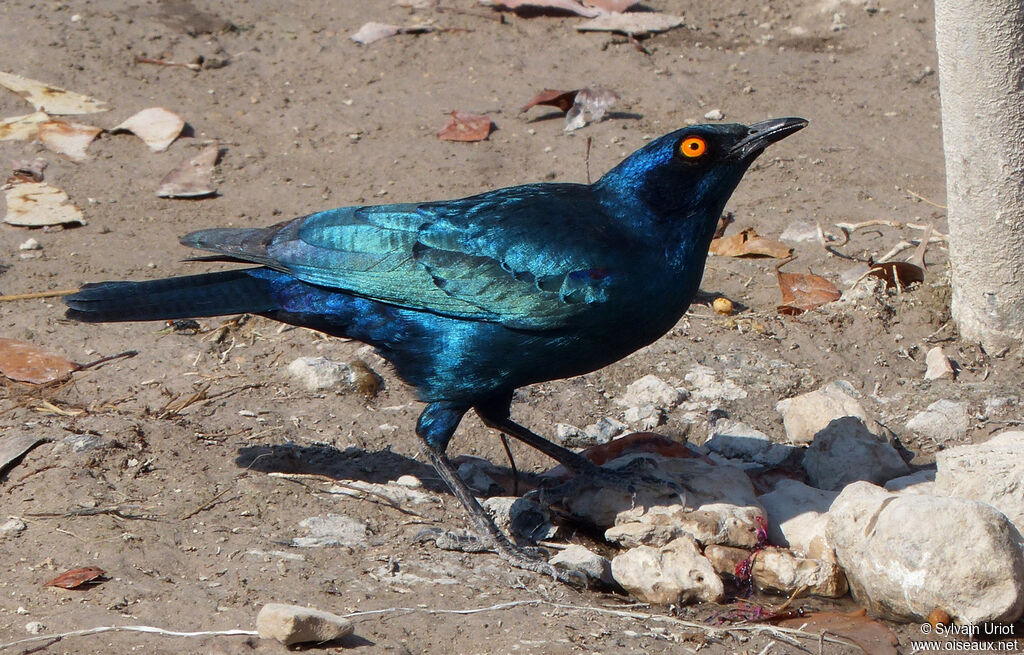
435,427
495,415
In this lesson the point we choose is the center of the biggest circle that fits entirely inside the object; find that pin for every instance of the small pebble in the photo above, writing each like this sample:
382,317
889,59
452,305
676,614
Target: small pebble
30,244
714,115
34,627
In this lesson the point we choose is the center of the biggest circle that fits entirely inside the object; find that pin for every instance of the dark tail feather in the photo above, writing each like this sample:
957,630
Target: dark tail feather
193,296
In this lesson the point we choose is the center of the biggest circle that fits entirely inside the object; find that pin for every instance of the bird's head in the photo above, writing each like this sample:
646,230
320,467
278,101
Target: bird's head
690,173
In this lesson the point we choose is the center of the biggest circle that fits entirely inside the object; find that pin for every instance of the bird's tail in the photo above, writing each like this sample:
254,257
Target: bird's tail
193,296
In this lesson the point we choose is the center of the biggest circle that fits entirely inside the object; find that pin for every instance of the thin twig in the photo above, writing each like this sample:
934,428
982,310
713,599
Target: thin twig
39,294
923,199
206,505
131,628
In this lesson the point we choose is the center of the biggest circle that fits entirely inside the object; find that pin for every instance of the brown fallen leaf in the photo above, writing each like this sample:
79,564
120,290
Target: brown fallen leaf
26,362
570,6
75,578
51,99
68,139
872,637
802,292
898,274
192,178
35,204
22,128
595,101
465,126
156,126
632,24
552,97
748,243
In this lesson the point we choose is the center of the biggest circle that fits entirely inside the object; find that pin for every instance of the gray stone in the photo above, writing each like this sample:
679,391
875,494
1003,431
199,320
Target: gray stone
739,441
939,367
595,434
652,390
922,482
479,474
707,389
906,555
648,417
990,472
808,414
331,530
797,517
80,443
577,558
846,451
292,624
520,517
943,421
676,574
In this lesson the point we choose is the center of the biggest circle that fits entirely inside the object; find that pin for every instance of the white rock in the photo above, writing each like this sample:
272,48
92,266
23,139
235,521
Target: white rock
706,388
603,431
938,364
331,530
740,441
520,517
319,373
648,416
990,472
797,518
676,573
943,421
80,443
780,571
409,482
12,527
905,555
30,244
846,451
714,115
292,624
800,232
718,505
590,564
34,627
922,482
651,390
808,414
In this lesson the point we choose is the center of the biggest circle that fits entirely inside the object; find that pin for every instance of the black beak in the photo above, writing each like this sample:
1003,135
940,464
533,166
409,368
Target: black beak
761,135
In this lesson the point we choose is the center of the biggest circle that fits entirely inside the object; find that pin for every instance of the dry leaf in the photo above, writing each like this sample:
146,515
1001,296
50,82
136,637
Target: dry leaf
874,638
75,578
51,99
156,126
898,274
552,97
14,446
68,139
562,5
26,362
611,5
35,204
803,292
748,243
464,126
22,128
193,178
632,24
371,32
595,101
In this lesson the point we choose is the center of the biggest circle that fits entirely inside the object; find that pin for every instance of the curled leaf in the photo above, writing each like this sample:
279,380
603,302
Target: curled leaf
898,274
75,578
26,362
156,126
51,99
192,178
465,126
554,98
68,139
35,204
803,292
748,243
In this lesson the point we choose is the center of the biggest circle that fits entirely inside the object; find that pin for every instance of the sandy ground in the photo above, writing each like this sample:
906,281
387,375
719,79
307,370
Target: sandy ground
311,120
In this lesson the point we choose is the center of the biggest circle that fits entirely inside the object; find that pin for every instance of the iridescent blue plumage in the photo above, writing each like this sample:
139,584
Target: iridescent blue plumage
473,298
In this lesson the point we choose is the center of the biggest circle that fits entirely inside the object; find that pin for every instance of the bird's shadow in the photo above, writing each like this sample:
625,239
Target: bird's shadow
621,115
380,466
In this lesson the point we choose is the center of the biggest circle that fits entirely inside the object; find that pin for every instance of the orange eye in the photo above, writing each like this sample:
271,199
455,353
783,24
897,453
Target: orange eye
693,146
